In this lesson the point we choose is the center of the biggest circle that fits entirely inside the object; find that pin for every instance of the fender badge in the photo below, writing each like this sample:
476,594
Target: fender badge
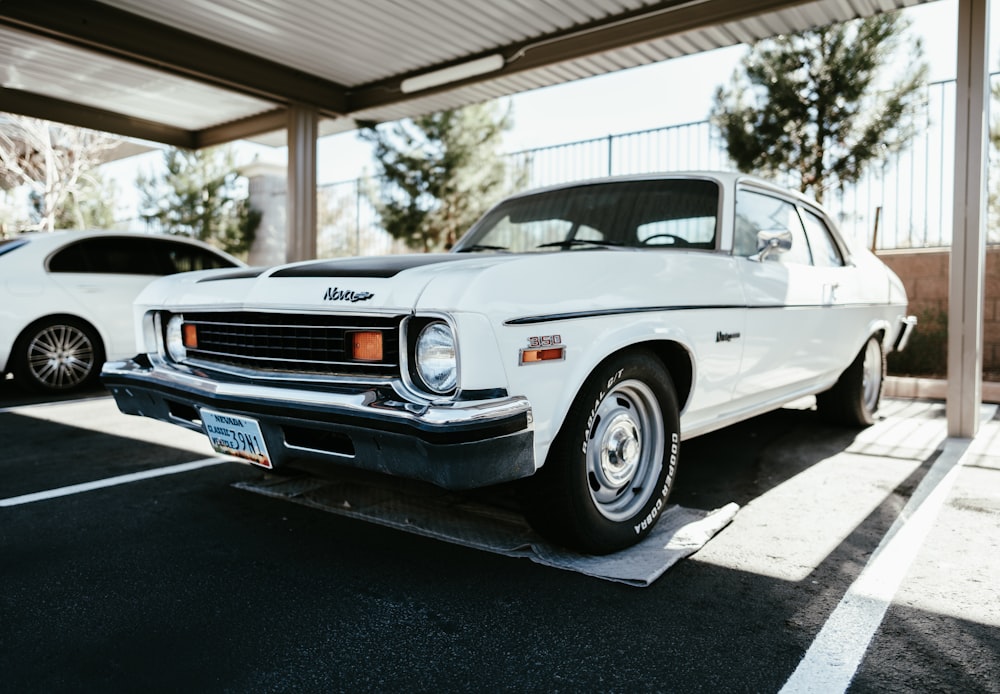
726,337
336,294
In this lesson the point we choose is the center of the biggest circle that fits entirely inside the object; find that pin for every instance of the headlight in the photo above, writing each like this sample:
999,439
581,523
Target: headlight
175,339
434,354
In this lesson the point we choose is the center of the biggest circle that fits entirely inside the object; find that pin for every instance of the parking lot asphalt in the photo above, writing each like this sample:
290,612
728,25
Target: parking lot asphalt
866,561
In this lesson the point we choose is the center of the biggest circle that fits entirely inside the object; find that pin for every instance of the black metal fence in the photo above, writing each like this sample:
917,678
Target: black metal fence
903,202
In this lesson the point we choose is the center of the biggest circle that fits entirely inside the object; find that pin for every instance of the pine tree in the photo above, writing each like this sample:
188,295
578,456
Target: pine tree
441,171
813,107
198,196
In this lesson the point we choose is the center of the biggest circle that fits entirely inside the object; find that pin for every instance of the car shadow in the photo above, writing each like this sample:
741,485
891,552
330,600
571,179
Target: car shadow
745,460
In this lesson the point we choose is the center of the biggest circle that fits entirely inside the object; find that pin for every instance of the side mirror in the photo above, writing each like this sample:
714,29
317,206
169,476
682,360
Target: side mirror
772,242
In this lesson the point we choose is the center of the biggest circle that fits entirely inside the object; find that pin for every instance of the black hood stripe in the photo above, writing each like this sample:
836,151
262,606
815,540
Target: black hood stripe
385,266
247,274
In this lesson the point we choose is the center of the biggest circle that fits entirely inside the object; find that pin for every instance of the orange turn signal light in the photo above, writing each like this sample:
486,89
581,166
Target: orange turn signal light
366,346
530,356
190,333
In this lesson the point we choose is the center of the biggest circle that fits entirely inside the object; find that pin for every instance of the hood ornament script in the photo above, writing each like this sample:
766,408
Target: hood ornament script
337,294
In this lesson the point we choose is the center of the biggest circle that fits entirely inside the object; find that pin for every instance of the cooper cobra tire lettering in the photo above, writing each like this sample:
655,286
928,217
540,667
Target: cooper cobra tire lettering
610,469
665,490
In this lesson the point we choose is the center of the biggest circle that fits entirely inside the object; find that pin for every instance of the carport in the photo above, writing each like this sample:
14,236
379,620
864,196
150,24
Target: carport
196,74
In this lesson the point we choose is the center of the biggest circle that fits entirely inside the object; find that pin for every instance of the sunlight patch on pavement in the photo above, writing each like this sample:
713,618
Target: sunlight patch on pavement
790,530
102,416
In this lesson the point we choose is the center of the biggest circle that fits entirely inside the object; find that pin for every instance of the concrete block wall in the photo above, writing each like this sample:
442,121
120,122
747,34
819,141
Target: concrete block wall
924,273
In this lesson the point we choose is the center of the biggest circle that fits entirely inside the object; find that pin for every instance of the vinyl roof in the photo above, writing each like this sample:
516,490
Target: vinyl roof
193,73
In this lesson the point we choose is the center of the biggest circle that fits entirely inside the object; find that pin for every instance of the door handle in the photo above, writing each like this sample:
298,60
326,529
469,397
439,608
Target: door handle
830,292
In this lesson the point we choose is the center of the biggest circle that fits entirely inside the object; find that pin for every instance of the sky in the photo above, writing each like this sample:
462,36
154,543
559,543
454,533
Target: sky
652,96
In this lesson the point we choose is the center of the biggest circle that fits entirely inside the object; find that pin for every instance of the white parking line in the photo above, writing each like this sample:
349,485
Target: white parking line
838,650
111,482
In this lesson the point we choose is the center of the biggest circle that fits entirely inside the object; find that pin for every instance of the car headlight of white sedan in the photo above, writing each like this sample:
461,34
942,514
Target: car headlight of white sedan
435,358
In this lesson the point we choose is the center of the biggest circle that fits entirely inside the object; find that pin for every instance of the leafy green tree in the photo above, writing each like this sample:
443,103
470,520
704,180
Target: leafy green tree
816,106
199,196
441,172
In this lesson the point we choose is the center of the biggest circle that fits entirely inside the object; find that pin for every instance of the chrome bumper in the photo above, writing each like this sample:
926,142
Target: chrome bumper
460,445
906,326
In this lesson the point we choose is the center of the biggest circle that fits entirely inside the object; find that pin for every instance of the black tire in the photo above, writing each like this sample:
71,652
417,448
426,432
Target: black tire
610,469
854,399
58,355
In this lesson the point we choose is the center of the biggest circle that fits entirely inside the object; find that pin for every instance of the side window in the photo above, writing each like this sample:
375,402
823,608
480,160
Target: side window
133,256
124,256
72,258
110,255
758,212
825,251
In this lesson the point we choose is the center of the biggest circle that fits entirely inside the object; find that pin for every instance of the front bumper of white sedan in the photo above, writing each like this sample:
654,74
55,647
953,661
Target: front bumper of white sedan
903,332
460,445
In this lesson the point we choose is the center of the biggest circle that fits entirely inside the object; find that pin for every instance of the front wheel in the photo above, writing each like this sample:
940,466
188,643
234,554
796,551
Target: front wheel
610,469
855,397
58,355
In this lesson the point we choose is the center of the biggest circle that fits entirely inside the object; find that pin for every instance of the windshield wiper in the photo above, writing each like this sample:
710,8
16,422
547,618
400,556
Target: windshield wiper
482,247
569,243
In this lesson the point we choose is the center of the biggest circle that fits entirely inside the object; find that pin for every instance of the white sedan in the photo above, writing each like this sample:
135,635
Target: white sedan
570,341
66,299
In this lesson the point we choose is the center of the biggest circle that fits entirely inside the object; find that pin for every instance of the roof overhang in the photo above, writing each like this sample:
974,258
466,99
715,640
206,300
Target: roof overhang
196,74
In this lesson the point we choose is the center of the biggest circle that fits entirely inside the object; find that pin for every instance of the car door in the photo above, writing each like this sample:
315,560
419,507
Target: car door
847,291
786,334
102,275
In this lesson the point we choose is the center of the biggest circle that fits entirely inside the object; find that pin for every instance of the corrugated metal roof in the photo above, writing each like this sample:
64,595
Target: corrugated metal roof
349,57
72,74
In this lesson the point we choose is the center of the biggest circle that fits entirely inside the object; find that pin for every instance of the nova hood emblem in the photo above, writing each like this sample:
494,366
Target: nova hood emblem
336,294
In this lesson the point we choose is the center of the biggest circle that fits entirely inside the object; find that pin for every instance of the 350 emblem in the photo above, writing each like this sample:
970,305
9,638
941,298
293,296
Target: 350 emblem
544,340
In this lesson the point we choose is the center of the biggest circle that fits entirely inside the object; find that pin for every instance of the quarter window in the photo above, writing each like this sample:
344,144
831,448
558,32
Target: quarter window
824,248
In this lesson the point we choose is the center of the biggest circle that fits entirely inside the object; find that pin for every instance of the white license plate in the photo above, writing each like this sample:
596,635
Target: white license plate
232,434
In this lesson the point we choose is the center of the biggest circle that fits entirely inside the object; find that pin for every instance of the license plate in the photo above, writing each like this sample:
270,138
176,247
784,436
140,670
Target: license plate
232,434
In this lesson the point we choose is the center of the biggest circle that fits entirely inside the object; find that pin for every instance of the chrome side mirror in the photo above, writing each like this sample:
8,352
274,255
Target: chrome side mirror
772,242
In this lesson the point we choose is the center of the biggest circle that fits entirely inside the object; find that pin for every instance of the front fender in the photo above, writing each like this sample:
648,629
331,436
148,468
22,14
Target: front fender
552,386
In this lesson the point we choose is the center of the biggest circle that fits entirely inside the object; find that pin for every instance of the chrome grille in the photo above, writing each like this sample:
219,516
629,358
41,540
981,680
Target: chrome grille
292,343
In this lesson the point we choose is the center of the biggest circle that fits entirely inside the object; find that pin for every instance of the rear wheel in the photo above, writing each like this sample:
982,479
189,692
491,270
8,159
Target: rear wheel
611,467
855,397
58,355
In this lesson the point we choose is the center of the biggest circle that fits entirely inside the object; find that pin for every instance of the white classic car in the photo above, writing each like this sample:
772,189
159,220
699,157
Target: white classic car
571,340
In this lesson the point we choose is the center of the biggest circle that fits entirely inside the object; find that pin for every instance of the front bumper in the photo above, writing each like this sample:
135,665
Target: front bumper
460,445
903,332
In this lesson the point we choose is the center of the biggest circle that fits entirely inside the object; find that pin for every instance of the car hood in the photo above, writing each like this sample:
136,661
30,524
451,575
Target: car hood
507,285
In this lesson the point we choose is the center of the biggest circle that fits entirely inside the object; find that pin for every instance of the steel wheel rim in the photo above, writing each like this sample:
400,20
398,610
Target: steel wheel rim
61,356
625,450
871,375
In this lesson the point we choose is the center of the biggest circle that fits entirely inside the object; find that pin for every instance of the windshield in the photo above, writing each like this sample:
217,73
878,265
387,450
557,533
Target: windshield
656,214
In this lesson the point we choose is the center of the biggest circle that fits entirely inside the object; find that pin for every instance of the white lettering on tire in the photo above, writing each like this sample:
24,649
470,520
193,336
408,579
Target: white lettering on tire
667,483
